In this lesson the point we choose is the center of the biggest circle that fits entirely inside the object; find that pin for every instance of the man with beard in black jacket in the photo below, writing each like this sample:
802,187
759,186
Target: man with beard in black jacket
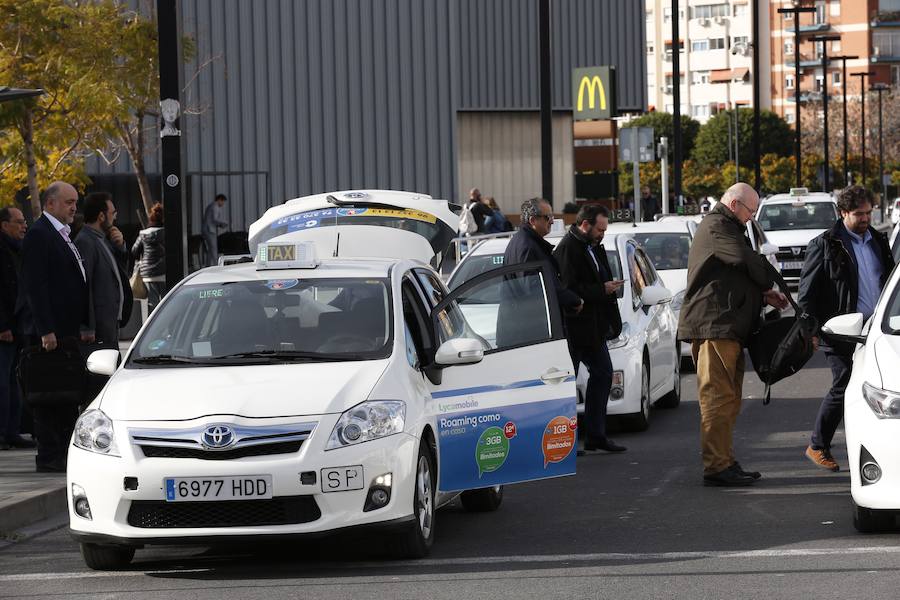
584,270
845,269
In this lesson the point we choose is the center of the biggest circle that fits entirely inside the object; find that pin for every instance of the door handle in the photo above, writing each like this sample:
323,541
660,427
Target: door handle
554,376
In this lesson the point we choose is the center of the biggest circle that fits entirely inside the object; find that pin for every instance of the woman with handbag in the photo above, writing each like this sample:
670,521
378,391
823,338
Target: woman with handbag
149,253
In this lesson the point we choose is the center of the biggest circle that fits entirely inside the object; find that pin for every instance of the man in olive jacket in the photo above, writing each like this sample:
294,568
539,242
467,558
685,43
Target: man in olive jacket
584,269
727,284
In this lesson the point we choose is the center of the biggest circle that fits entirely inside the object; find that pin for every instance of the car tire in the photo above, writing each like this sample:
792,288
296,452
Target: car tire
417,539
868,520
673,398
483,500
101,557
640,420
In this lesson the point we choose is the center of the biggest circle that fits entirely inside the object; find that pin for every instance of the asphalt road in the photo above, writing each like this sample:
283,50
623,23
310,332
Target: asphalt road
636,525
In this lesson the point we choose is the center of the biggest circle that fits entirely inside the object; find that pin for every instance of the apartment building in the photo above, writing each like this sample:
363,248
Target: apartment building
868,29
716,55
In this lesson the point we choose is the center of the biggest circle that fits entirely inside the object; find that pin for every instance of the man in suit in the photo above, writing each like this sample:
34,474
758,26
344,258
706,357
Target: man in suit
584,270
52,306
102,248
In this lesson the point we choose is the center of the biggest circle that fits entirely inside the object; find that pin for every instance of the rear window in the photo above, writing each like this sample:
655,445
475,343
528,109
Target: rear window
473,266
428,226
666,250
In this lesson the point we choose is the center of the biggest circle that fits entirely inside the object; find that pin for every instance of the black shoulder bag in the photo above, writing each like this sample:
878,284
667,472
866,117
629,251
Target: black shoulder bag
781,347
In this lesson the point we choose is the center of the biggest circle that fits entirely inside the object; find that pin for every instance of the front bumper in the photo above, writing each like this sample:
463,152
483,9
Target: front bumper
102,478
881,438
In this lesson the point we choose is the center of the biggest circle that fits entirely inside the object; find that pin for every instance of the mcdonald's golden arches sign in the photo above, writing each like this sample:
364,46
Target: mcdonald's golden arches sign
593,93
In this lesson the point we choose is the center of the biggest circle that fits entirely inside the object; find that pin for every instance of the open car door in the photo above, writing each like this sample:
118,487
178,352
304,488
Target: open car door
510,417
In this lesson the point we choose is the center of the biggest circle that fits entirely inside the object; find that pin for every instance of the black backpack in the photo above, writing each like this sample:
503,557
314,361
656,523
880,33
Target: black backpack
781,347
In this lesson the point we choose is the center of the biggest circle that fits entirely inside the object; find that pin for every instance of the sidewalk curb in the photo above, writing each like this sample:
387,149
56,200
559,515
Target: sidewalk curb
31,508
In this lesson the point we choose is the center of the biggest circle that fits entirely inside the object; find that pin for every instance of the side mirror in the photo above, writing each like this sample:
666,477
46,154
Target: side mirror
459,351
103,362
768,249
845,328
655,294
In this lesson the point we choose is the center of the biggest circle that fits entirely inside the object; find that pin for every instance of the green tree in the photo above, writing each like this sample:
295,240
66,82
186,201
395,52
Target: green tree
650,175
777,173
712,144
699,181
663,125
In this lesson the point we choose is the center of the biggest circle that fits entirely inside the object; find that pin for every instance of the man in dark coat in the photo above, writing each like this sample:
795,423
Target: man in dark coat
649,205
51,306
584,270
846,268
12,230
102,249
727,283
480,211
520,309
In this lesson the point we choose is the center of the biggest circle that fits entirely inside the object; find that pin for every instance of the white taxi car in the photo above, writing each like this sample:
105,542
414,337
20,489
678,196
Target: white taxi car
791,221
646,361
872,409
324,385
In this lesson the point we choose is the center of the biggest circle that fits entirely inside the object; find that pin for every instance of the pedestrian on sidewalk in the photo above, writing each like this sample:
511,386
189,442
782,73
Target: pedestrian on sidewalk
149,251
102,248
214,221
52,305
727,284
846,268
12,231
584,270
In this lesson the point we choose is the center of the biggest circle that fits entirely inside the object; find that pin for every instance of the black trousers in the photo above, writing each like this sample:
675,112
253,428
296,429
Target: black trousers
53,427
831,411
596,395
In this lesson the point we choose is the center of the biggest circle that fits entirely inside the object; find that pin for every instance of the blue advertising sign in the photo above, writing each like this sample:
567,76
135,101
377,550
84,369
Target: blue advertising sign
507,444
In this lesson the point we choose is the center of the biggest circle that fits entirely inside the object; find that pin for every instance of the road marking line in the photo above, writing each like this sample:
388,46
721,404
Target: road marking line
502,560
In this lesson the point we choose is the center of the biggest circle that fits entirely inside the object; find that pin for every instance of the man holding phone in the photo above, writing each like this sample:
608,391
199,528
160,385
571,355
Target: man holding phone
585,271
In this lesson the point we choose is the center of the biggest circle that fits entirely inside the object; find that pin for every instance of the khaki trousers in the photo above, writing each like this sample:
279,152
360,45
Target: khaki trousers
720,378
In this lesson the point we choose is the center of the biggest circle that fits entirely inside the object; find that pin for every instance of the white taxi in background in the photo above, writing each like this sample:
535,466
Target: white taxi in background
646,361
790,221
311,390
872,409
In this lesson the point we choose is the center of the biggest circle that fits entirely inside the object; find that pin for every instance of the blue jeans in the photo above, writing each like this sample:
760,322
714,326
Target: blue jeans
831,412
596,395
10,397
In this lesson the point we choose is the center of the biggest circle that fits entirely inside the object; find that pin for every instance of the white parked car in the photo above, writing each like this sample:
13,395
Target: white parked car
872,409
646,361
791,221
895,211
325,385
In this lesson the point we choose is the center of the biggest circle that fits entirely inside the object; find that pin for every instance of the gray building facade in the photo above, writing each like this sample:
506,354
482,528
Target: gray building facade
296,97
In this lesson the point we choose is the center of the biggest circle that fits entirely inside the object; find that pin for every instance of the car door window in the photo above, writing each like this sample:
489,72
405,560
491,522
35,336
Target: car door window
418,338
635,275
505,308
645,265
431,286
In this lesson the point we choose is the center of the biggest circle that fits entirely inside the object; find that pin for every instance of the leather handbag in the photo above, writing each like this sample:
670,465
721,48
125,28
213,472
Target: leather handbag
54,378
138,288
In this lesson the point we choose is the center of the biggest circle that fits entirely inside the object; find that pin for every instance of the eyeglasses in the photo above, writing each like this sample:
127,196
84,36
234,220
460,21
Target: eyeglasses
549,218
749,210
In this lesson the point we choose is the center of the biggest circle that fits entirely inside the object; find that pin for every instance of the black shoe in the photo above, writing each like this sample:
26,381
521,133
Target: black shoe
607,444
729,477
737,467
17,441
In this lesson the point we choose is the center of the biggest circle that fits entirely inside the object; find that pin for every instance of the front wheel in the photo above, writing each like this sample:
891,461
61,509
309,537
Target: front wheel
640,420
416,541
483,500
106,558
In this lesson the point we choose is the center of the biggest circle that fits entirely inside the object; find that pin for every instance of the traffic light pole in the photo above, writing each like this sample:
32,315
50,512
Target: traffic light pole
796,11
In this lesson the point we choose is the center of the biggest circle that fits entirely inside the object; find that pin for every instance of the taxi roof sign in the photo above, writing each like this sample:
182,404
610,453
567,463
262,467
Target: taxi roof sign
799,191
286,255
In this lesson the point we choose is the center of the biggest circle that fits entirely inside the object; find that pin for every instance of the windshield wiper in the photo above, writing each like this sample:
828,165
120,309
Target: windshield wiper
164,359
289,355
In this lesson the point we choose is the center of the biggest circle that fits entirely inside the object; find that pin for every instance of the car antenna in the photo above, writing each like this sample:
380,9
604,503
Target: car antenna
337,244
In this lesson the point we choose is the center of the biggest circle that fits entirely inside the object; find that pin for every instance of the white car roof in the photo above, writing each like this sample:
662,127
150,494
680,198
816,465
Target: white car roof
676,225
328,268
498,245
807,198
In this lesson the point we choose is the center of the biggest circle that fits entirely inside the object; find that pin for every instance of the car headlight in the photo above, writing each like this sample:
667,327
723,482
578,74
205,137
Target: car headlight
623,338
678,300
368,421
885,404
94,433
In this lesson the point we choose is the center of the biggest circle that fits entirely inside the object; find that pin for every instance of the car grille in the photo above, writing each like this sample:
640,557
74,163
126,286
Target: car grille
286,510
259,450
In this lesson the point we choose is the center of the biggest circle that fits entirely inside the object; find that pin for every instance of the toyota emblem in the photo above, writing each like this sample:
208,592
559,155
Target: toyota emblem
217,437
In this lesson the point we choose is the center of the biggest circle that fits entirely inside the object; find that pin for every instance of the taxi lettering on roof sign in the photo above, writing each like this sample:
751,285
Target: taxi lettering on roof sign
292,255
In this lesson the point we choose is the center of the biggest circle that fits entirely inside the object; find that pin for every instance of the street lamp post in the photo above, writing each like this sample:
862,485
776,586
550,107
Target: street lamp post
825,39
757,176
880,88
862,130
844,59
676,100
796,11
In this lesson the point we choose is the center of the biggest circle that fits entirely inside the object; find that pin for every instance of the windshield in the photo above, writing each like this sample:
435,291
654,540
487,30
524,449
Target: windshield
275,320
427,225
666,250
474,266
809,215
